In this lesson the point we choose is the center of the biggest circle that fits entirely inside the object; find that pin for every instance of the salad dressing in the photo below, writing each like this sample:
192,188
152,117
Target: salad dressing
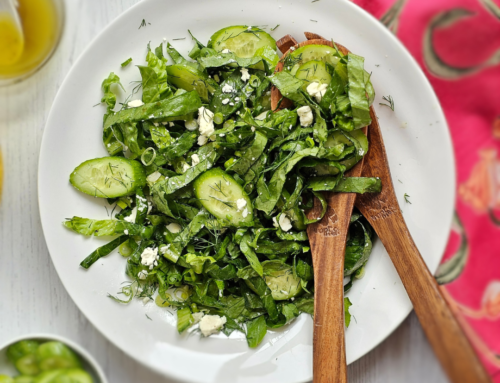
11,40
40,23
1,176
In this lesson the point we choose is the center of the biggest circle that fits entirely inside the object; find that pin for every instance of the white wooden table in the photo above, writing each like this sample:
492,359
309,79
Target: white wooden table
32,296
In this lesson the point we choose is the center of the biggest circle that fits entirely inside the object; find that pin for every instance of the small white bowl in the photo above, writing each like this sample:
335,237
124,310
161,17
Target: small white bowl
89,364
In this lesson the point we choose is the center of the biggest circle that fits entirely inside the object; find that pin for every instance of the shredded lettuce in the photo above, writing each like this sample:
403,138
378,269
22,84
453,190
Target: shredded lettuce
213,112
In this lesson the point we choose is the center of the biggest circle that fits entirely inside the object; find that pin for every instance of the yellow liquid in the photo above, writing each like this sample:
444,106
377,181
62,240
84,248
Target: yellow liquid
1,176
11,40
41,30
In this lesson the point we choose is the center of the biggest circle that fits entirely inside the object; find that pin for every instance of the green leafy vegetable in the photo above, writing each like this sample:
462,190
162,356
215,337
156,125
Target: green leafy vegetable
256,331
126,62
212,189
175,108
357,91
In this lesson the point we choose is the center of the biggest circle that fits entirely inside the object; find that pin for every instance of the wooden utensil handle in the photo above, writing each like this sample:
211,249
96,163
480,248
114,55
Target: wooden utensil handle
329,365
441,327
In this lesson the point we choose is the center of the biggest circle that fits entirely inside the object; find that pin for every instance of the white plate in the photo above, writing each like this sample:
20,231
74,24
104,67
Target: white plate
418,146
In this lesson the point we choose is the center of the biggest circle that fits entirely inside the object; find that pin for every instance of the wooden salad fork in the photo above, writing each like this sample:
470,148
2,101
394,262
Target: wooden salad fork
441,327
328,242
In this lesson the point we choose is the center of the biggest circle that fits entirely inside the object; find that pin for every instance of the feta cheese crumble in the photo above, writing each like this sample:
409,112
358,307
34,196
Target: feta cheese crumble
202,140
135,103
226,51
225,101
132,216
149,256
211,324
185,167
206,124
306,116
316,90
227,88
143,274
174,227
284,222
245,213
241,203
195,159
191,125
245,76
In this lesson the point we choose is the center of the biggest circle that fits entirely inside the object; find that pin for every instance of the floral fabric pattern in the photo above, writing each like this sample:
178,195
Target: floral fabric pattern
457,44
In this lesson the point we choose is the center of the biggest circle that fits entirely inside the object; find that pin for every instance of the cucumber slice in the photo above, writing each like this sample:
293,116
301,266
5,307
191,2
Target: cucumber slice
27,365
47,376
74,375
25,379
219,193
307,53
280,280
6,379
55,355
188,78
242,40
313,71
21,348
108,177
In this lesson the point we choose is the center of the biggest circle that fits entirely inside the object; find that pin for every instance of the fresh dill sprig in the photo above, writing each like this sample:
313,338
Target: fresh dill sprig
143,24
180,38
390,100
315,21
218,188
273,29
227,203
406,198
147,316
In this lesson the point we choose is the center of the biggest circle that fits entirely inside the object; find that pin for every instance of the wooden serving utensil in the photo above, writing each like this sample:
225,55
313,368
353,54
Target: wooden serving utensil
441,327
328,241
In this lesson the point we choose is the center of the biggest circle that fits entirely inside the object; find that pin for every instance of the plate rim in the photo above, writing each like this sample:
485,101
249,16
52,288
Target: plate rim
170,373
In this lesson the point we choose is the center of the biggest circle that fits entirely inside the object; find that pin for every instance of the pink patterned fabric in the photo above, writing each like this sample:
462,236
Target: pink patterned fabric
457,44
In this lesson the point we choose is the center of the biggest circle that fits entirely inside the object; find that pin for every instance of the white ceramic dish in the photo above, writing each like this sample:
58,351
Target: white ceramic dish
419,151
89,364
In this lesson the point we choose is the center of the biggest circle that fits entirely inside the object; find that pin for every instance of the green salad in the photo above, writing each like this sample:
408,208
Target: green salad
44,362
210,188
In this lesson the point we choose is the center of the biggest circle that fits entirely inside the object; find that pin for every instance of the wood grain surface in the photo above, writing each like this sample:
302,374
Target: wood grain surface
33,298
441,327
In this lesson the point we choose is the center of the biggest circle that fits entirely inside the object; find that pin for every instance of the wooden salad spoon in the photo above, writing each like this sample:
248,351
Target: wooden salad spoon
328,241
440,325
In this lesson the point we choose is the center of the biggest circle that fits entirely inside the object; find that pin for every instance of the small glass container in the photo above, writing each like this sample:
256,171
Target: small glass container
43,23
